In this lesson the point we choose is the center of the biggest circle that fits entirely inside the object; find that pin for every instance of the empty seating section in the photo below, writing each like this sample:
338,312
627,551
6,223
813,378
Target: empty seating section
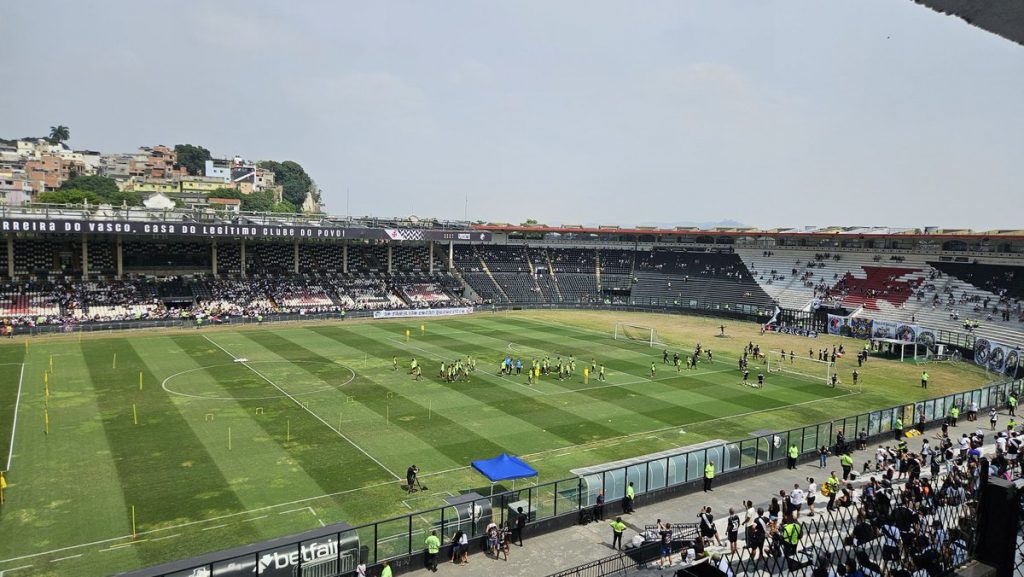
229,259
101,258
578,288
264,258
616,261
320,258
165,256
410,258
1004,280
572,260
36,257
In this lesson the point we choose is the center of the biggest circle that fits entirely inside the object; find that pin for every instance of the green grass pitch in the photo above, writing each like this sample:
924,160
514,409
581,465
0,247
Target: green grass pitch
316,427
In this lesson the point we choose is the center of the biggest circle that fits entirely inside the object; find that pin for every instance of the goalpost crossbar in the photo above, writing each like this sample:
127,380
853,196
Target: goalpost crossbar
638,333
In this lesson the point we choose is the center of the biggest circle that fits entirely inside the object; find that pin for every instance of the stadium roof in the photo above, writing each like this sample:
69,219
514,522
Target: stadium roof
1002,17
811,231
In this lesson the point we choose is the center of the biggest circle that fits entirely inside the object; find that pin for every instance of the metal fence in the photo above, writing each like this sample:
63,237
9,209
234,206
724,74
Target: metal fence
403,536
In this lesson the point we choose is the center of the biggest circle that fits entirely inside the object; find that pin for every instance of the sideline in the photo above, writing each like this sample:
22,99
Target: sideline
14,422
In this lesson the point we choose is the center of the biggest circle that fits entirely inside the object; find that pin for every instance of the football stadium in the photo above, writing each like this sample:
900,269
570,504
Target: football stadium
658,289
175,389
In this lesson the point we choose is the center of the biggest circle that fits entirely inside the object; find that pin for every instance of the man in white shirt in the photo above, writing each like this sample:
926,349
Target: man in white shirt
796,500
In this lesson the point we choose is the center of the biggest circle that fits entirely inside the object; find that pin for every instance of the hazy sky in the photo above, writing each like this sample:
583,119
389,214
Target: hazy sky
770,113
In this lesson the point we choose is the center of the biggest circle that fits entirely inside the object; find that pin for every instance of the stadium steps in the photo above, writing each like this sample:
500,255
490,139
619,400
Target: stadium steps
497,286
551,271
533,276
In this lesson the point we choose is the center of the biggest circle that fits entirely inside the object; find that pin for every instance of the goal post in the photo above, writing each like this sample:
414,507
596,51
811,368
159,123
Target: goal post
636,333
783,362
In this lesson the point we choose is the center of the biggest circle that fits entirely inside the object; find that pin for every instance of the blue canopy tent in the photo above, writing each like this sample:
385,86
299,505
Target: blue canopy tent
504,467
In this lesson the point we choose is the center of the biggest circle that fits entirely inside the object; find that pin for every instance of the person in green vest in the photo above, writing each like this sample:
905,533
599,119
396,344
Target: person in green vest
954,414
1011,404
832,484
433,546
790,536
792,454
924,379
897,428
709,476
846,461
618,528
627,503
1012,425
386,570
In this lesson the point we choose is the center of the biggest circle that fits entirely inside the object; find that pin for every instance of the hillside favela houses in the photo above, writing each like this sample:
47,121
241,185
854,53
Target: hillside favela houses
48,170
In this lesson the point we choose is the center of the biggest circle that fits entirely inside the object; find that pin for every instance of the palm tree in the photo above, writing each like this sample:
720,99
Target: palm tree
59,134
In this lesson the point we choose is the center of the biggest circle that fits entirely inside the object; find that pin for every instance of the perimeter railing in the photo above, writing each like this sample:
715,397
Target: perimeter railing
560,503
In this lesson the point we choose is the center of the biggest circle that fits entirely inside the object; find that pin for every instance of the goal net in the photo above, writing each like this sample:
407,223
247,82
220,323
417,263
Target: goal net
637,333
782,362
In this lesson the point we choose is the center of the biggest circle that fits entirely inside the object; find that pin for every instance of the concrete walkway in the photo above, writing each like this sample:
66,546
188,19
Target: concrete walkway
545,554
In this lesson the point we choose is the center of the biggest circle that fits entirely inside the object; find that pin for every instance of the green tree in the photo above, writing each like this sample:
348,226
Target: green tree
192,157
100,185
69,196
292,178
58,134
285,206
258,202
129,197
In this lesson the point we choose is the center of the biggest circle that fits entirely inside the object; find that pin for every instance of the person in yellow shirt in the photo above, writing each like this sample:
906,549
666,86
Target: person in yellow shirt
433,546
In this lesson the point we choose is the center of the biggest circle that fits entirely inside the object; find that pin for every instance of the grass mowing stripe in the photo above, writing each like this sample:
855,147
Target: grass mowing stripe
546,417
149,456
304,407
303,442
439,432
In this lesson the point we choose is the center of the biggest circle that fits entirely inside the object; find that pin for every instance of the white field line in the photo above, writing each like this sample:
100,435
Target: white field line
348,491
375,485
166,537
200,521
211,528
14,422
305,408
6,571
66,558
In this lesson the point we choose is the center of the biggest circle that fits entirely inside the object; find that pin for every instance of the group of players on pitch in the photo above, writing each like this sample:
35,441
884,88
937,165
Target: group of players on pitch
460,369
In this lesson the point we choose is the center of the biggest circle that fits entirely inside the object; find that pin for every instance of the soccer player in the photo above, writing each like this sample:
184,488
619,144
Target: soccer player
760,380
856,376
654,370
746,375
600,374
394,363
664,357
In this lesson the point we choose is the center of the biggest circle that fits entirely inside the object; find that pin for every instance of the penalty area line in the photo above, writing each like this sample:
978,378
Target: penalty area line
303,407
